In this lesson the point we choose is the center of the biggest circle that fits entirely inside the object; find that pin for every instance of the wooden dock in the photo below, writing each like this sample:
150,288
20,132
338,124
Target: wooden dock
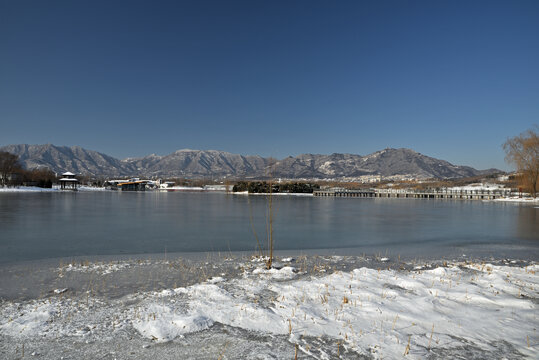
416,194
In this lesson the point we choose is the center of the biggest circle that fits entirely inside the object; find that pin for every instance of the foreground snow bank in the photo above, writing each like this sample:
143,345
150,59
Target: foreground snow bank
440,312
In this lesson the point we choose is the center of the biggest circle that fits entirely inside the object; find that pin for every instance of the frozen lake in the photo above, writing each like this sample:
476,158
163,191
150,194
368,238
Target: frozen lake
37,226
77,279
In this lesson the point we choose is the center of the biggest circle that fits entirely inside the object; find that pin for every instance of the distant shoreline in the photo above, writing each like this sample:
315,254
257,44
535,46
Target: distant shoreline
30,189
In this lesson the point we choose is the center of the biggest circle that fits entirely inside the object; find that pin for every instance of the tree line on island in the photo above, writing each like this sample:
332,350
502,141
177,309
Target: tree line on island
263,187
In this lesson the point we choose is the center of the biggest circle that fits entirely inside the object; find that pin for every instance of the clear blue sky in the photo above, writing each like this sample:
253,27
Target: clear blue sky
450,79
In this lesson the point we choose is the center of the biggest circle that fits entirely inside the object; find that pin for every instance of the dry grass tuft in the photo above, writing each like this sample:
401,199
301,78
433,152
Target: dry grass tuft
432,332
407,350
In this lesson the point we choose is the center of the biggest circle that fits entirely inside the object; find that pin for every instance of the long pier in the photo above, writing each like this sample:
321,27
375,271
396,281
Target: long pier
418,194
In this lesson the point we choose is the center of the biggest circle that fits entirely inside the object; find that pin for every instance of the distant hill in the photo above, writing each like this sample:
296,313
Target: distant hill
75,159
388,162
200,163
212,163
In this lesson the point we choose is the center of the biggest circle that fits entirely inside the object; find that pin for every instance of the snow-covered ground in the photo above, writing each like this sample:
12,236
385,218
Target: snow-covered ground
25,189
478,187
526,200
91,188
433,310
182,188
492,187
54,188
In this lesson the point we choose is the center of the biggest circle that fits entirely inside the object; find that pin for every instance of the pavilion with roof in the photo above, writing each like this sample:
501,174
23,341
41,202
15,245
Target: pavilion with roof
68,181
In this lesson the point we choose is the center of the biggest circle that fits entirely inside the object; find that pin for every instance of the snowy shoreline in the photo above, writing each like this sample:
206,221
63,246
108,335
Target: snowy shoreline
30,189
516,199
320,306
56,188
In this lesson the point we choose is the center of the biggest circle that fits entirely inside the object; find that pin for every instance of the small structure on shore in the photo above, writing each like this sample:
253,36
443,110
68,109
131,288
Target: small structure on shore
133,185
68,181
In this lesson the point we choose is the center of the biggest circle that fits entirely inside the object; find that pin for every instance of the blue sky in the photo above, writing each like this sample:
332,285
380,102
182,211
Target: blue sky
450,79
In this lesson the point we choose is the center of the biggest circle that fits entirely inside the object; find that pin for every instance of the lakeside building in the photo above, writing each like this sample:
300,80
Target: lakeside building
134,184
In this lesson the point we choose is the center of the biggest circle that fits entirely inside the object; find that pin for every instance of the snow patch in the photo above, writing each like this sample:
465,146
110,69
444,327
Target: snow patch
371,312
30,322
163,323
287,272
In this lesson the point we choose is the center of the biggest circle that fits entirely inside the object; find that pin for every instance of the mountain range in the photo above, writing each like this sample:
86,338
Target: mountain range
211,163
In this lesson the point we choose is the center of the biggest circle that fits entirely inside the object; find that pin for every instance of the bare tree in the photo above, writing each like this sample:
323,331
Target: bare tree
523,152
9,164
